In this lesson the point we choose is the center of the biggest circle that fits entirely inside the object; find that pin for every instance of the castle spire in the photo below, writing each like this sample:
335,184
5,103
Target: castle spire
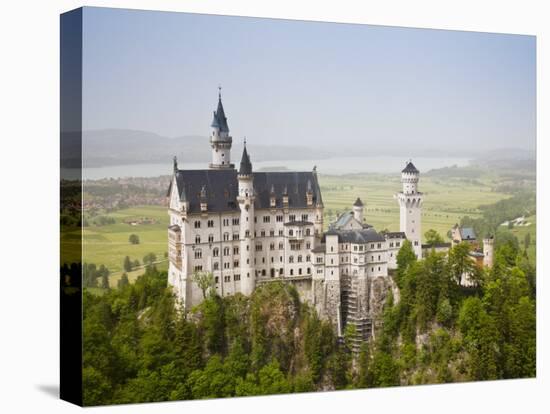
246,165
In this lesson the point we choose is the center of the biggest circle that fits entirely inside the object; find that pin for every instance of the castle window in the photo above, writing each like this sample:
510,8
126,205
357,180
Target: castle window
355,260
292,217
272,259
235,236
226,251
391,244
308,232
361,248
216,252
263,272
216,266
379,245
247,233
248,275
198,268
281,245
281,271
197,239
281,233
378,257
309,270
290,259
210,238
305,217
378,268
247,261
331,248
416,242
300,258
235,263
272,272
355,247
235,221
263,259
280,258
291,272
226,265
262,233
291,232
197,224
308,258
272,232
331,261
255,219
319,260
372,246
198,254
247,248
300,271
308,245
237,277
397,244
235,250
210,223
226,236
272,246
259,247
216,279
279,219
267,219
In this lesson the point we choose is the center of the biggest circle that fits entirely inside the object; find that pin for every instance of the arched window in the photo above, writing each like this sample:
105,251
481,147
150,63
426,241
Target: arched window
263,272
308,232
291,232
291,259
300,258
197,239
226,251
291,272
197,224
210,238
216,252
308,258
198,254
216,266
309,270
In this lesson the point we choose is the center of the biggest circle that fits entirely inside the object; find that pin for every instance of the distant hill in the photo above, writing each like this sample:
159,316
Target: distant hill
121,146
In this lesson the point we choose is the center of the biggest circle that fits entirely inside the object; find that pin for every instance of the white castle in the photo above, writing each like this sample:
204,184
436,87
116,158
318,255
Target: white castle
248,228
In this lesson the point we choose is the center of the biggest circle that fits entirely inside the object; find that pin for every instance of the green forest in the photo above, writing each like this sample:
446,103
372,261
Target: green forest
139,348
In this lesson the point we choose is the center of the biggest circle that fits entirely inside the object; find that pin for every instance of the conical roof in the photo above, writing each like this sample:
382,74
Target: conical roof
220,120
410,168
246,165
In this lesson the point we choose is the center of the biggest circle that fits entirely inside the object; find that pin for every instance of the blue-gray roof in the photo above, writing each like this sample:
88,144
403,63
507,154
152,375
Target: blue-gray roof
222,186
467,233
220,120
362,236
410,168
246,165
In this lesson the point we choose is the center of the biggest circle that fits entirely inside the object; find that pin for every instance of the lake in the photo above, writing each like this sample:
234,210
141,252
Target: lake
333,166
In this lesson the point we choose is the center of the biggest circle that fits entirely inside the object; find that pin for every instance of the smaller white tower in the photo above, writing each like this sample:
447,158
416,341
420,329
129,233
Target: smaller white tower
220,141
246,204
410,203
358,208
488,251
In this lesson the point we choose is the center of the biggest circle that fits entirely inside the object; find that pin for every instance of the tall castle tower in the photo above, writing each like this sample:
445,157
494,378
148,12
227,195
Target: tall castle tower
220,141
410,203
246,204
488,251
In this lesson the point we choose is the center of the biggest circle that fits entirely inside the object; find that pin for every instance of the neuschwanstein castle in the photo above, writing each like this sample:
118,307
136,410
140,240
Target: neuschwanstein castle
249,228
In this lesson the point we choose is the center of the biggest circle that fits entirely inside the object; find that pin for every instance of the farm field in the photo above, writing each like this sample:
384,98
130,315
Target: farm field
109,245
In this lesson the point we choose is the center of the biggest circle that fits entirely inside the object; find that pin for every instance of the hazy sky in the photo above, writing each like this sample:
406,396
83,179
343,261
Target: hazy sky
310,83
